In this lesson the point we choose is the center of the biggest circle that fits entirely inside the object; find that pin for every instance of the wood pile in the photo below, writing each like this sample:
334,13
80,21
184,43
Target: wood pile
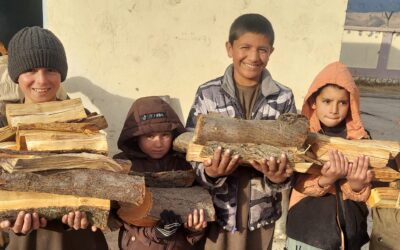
306,152
59,153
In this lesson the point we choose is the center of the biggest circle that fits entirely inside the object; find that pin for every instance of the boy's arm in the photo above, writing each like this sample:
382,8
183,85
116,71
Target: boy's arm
308,184
290,105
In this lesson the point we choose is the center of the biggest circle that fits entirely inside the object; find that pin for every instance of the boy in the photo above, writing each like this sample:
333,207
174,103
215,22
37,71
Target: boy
37,62
338,194
247,200
146,140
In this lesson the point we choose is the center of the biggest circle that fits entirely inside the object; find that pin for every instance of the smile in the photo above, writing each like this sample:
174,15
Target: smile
252,66
41,90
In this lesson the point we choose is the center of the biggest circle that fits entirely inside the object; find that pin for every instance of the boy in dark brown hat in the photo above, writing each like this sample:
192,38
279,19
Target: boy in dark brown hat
146,140
37,62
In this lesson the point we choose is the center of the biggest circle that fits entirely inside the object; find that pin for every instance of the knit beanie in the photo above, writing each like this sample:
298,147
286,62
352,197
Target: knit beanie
35,47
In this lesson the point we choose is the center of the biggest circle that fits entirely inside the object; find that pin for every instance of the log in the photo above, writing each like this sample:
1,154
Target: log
385,174
52,206
181,143
379,152
80,182
7,133
25,161
289,130
168,179
86,128
181,200
11,145
47,112
55,141
99,121
384,197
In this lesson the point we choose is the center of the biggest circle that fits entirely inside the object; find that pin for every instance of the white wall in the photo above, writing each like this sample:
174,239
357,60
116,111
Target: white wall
121,50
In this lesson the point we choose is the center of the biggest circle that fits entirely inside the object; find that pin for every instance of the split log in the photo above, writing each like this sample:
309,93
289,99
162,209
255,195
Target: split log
10,145
96,120
180,200
47,112
289,130
168,179
379,152
55,141
52,206
80,182
26,161
384,197
181,143
86,128
7,133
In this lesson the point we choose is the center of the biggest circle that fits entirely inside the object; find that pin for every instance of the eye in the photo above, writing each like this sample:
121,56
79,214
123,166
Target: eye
343,103
150,137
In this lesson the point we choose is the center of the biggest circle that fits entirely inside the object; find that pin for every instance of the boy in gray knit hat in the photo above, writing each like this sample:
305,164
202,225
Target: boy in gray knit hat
37,62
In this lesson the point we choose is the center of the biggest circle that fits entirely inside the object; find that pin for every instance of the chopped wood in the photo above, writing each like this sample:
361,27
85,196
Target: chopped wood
385,174
289,130
27,161
7,133
168,179
56,141
181,142
47,112
80,182
378,152
52,206
86,128
180,200
11,145
99,121
384,197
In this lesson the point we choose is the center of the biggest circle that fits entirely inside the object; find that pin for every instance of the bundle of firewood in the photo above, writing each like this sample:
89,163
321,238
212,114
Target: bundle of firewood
53,159
261,139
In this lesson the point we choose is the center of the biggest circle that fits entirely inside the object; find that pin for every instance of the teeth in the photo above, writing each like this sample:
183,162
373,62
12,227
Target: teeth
40,90
253,66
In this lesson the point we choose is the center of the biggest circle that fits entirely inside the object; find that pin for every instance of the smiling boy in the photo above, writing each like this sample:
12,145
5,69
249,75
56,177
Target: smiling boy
247,199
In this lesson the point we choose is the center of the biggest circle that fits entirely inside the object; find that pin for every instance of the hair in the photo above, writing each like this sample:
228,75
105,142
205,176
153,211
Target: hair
254,23
316,93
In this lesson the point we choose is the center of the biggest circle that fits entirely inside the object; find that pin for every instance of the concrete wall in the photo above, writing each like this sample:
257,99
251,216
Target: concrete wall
121,50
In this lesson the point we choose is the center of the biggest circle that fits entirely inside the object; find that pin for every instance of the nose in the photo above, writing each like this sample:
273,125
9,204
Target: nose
334,108
41,76
254,55
158,141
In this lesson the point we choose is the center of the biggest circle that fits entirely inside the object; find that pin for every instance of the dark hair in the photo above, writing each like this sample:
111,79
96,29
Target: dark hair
254,23
316,93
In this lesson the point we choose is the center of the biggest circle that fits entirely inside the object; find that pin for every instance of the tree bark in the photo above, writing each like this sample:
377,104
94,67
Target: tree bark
52,206
57,111
289,130
79,182
23,161
168,179
180,200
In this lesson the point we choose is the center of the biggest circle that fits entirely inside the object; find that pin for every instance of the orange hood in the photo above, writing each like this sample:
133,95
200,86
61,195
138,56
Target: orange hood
336,73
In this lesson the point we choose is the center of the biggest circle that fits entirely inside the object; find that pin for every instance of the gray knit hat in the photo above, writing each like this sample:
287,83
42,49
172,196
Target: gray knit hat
35,47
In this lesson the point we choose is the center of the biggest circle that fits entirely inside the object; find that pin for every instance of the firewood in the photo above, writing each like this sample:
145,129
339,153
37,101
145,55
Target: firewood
384,197
168,179
80,182
27,161
55,141
180,200
7,133
57,111
96,120
52,206
289,130
8,145
181,142
86,128
379,152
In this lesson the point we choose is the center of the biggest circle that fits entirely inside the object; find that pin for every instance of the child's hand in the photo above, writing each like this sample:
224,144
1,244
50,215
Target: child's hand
196,221
24,223
358,175
336,168
274,173
77,220
222,164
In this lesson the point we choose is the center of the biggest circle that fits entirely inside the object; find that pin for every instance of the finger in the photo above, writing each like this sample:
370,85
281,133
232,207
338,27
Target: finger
35,221
84,221
325,167
360,165
283,163
204,225
190,221
19,222
27,224
94,228
226,158
333,158
289,171
77,220
5,225
216,157
256,165
233,164
272,164
370,176
43,222
64,219
346,166
70,219
201,218
195,217
341,162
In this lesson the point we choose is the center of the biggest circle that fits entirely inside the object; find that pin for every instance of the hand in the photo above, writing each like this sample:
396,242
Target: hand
168,224
24,223
358,174
336,168
274,173
77,220
222,164
196,221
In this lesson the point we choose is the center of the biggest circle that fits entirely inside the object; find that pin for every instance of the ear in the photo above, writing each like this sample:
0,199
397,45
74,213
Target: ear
272,50
313,105
229,48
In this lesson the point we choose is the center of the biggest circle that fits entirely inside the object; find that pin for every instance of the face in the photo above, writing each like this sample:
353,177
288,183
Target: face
40,85
155,145
331,106
250,54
